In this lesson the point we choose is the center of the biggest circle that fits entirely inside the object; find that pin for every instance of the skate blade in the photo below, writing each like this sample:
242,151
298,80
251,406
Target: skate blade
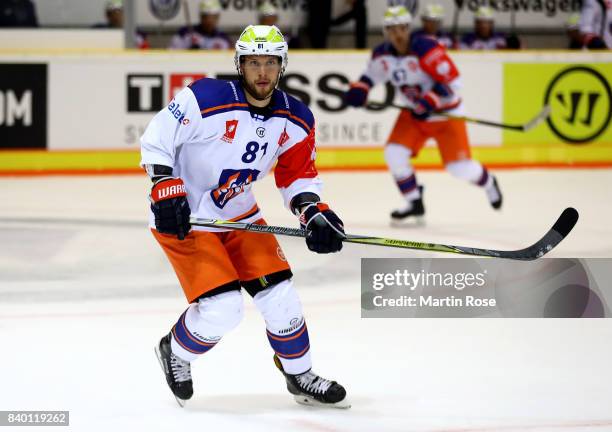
306,400
410,222
181,402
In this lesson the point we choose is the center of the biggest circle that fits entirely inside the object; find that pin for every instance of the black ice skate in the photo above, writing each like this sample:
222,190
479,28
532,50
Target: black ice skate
495,195
311,389
177,371
413,210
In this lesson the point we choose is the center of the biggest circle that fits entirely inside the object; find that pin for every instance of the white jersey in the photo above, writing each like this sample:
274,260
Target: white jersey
219,145
596,19
426,69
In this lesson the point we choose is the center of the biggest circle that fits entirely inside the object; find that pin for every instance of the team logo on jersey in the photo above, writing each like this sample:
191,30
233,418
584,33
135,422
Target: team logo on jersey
399,76
283,138
231,184
230,131
261,132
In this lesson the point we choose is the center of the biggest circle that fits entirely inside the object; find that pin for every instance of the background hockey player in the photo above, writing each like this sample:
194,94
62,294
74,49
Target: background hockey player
267,14
205,35
596,24
572,30
432,18
203,152
427,81
484,36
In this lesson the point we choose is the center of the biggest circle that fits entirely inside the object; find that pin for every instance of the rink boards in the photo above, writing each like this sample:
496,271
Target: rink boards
83,111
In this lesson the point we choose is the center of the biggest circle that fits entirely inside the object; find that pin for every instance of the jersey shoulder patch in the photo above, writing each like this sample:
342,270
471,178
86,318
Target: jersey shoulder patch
216,96
422,44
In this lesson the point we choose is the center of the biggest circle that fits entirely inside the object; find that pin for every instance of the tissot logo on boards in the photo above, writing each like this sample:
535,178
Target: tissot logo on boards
23,105
144,92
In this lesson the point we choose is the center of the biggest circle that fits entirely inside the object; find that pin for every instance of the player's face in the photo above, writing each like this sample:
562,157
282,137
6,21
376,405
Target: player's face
268,20
209,22
484,28
260,74
431,26
399,35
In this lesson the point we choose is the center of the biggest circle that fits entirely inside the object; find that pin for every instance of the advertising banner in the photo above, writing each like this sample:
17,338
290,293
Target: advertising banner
236,14
136,87
579,96
84,102
23,106
529,14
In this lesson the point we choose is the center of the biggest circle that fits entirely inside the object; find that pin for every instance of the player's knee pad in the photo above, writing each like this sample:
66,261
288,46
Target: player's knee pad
469,169
204,323
280,307
217,315
397,158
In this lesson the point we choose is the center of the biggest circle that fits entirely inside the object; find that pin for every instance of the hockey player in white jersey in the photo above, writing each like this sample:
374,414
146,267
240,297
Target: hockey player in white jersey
203,152
427,81
596,24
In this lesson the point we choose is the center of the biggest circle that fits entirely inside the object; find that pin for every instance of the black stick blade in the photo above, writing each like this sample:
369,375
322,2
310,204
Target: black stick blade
566,221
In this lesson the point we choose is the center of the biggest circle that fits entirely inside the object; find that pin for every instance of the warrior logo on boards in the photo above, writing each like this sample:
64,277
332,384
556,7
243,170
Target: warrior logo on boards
231,184
230,131
581,102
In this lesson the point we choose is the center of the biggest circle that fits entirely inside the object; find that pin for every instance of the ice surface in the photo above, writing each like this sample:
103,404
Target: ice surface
85,294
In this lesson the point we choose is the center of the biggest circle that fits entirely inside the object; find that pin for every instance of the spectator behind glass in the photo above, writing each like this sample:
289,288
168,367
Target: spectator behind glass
358,13
484,36
114,15
205,35
267,14
431,19
17,13
114,20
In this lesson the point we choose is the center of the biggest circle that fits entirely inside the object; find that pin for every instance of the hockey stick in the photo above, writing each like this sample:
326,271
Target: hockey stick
552,238
539,118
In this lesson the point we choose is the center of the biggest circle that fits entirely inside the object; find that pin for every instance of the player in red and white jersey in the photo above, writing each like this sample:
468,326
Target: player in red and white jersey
427,81
203,153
